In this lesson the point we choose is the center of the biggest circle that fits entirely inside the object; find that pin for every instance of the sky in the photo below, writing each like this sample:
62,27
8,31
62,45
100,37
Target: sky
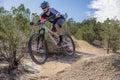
79,10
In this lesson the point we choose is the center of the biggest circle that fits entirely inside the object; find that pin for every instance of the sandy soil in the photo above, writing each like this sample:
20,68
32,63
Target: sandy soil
89,63
54,66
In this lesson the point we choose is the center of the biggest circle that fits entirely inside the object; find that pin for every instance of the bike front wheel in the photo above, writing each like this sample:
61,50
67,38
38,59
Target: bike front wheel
38,48
68,44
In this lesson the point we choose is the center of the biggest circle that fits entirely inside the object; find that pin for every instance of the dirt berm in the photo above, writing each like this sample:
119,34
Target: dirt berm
99,68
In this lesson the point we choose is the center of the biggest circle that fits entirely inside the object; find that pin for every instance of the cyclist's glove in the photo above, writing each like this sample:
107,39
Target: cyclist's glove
38,22
31,23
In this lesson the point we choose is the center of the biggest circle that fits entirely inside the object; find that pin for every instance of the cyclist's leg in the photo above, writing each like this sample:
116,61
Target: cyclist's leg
58,26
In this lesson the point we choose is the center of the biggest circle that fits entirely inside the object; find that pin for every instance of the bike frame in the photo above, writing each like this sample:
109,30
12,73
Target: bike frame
49,32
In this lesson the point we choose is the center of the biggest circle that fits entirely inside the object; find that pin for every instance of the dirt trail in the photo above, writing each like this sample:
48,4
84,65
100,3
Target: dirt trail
99,68
85,47
53,66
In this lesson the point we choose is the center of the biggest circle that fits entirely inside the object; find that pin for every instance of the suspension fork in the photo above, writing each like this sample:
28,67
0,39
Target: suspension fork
42,35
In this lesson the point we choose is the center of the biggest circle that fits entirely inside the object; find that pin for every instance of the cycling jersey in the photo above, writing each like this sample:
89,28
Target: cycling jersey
52,16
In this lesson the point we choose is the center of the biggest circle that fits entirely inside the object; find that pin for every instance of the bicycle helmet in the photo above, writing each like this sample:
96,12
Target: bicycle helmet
44,4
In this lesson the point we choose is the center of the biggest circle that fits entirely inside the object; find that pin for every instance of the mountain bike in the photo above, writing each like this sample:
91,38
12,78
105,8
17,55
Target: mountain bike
38,48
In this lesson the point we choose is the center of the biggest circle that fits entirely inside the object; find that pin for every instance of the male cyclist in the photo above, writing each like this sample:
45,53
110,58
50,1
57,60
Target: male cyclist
54,17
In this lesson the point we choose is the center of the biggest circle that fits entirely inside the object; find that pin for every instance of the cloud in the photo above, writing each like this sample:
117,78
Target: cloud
105,9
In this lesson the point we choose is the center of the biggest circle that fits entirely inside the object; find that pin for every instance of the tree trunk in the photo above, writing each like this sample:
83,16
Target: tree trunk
12,64
108,46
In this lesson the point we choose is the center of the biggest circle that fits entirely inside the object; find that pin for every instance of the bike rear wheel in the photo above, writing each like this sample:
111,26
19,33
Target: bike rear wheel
68,45
38,48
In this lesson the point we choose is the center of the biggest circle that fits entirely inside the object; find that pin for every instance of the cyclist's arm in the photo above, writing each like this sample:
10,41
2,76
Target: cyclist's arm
38,22
41,19
57,13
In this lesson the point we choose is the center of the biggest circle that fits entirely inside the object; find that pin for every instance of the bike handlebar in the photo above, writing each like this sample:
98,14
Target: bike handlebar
42,22
38,23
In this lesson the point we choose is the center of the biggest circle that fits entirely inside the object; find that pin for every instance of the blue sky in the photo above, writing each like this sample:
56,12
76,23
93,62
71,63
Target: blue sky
76,9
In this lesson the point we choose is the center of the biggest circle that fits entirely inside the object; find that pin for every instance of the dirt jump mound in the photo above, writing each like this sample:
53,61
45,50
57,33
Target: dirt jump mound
99,68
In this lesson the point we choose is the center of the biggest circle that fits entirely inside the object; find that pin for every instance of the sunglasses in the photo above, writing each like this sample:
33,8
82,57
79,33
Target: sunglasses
44,8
